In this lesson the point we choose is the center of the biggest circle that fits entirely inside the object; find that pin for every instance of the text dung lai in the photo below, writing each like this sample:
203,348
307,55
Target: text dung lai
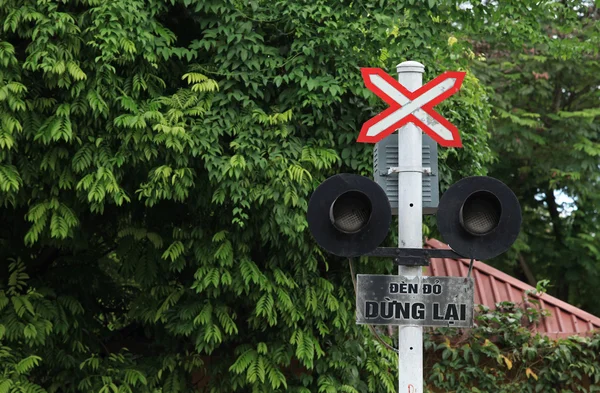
419,301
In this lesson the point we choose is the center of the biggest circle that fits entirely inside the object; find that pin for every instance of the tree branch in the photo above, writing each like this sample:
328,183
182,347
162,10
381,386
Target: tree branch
527,271
556,99
42,263
562,288
554,216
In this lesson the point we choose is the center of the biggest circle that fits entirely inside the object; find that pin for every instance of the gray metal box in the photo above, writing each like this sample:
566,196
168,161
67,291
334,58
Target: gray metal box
385,156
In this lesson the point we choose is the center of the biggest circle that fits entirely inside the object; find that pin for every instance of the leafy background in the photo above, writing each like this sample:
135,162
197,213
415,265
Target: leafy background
156,158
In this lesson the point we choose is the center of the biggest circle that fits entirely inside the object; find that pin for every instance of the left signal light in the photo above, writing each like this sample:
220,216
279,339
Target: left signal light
349,215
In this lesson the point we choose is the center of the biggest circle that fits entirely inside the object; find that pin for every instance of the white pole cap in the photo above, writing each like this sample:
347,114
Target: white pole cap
410,66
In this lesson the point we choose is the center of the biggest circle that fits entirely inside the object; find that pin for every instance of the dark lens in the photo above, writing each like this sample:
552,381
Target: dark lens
350,212
480,214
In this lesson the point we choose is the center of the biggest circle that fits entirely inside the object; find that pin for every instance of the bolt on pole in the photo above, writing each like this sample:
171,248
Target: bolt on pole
410,230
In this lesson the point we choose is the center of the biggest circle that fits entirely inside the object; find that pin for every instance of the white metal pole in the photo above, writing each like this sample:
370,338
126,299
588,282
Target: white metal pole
410,222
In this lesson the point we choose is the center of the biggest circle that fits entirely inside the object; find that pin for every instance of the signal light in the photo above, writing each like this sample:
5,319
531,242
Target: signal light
479,217
349,215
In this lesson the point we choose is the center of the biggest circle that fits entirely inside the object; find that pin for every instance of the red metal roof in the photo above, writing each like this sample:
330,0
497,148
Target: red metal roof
492,286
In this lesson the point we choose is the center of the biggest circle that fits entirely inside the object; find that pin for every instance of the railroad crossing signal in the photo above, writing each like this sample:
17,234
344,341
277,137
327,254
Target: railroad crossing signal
349,215
416,107
479,217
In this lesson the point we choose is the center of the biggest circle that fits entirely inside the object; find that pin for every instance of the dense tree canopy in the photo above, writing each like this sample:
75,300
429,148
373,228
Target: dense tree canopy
155,163
546,105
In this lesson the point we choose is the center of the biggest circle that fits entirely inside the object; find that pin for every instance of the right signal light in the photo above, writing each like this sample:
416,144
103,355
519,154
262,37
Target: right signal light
479,217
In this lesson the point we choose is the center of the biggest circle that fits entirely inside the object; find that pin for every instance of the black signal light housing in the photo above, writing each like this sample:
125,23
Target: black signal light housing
479,217
349,215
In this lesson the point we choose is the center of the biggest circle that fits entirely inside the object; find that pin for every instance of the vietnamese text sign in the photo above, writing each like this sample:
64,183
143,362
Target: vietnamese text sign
419,301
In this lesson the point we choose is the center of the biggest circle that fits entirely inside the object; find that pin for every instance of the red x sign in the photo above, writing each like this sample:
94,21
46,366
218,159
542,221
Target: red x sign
411,107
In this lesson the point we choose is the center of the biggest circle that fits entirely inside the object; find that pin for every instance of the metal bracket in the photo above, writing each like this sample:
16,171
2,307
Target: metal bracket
396,169
413,256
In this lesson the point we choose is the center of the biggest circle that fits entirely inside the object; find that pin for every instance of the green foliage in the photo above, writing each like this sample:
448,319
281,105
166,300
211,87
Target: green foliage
547,141
155,164
156,158
502,355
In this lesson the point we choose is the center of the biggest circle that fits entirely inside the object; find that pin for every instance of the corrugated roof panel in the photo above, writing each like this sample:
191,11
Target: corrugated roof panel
514,295
483,286
493,286
504,290
561,319
578,325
